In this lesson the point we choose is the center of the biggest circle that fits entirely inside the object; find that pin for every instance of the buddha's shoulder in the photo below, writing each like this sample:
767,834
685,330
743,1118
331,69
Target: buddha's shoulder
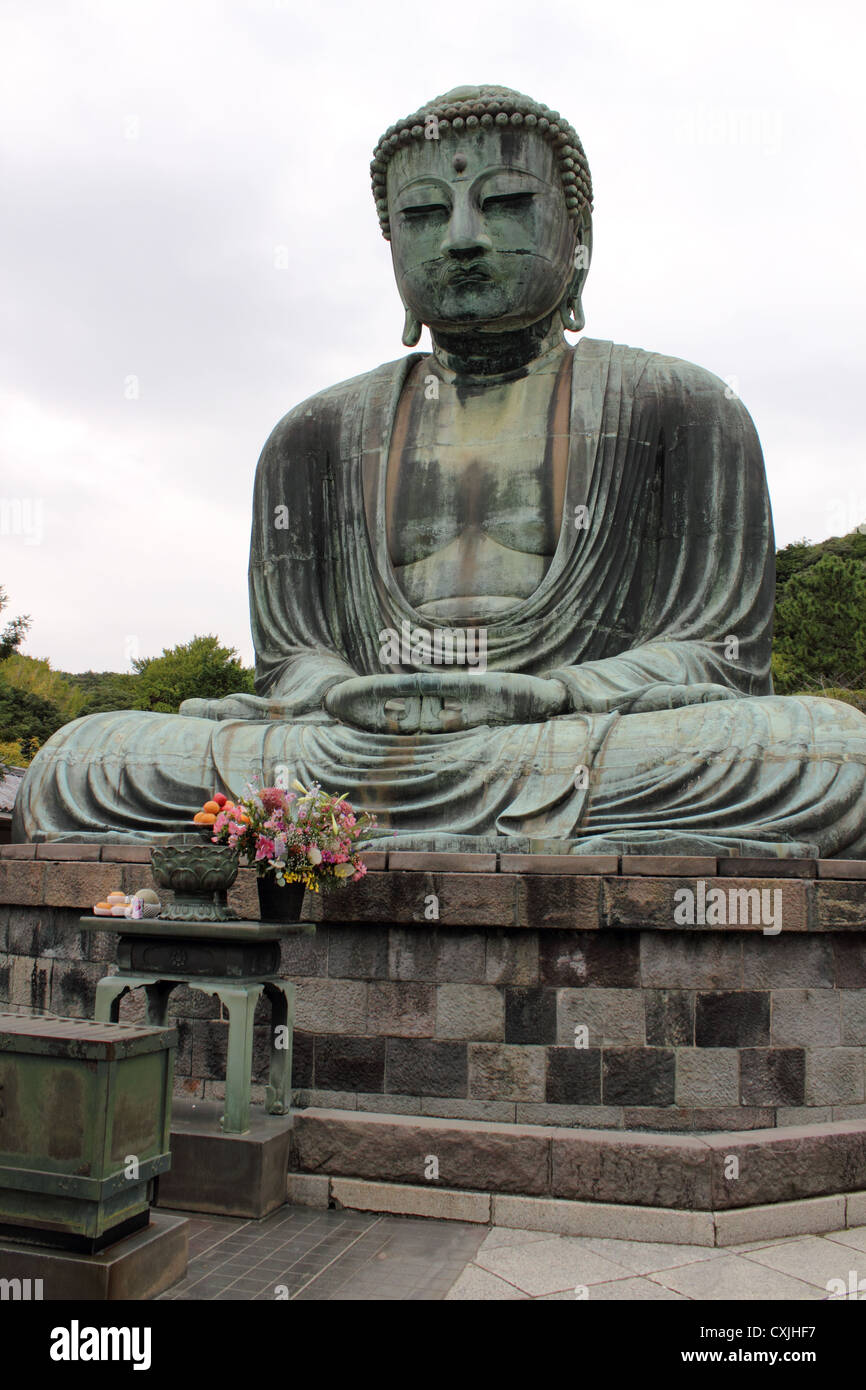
648,371
331,408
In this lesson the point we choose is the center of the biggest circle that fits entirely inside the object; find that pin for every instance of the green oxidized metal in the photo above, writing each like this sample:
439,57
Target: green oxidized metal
85,1113
200,877
509,593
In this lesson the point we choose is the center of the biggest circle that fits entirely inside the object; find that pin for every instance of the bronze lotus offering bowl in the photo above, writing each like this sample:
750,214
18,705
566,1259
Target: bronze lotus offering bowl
199,877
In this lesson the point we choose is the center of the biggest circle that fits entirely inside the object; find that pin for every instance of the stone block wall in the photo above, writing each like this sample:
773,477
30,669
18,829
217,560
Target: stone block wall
458,986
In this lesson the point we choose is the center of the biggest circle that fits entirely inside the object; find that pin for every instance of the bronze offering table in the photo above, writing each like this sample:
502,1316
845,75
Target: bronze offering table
234,960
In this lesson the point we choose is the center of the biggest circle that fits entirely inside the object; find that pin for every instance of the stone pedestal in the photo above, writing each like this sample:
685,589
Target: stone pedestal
649,998
226,1174
139,1267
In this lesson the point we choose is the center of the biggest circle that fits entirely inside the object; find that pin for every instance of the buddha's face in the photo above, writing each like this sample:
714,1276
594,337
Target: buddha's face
480,235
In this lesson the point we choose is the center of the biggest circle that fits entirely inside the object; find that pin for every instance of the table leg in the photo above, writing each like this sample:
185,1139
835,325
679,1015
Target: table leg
279,1090
109,992
157,1002
240,1001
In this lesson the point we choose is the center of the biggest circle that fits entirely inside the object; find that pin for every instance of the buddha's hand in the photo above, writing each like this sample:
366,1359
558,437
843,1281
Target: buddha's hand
441,702
241,706
658,697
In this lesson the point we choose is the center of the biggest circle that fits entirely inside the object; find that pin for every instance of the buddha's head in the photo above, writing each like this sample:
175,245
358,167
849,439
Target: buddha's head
486,199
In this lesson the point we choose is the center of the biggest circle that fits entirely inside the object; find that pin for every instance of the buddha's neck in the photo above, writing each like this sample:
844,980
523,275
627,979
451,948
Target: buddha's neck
493,354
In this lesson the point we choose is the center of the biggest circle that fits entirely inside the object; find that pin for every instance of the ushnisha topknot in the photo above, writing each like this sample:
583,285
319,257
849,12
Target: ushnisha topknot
467,108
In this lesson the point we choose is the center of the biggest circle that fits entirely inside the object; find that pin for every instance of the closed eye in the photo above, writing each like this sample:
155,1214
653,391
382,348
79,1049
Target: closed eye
423,210
508,200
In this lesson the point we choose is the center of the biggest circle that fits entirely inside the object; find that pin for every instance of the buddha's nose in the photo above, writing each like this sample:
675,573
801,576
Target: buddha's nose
465,235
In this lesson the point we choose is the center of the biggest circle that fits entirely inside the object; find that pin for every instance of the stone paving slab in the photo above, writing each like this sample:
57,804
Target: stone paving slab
308,1254
549,1266
814,1259
625,1290
737,1277
645,1257
479,1285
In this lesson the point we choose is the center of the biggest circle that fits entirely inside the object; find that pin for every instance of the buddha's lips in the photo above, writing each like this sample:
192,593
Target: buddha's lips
468,275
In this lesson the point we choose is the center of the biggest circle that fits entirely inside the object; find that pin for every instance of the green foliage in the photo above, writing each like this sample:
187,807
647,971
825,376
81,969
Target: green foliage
102,691
36,701
821,624
35,676
27,719
198,668
857,698
12,755
801,555
792,559
13,633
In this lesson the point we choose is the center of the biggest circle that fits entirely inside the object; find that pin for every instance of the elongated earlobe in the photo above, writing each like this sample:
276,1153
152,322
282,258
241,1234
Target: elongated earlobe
411,329
571,308
571,311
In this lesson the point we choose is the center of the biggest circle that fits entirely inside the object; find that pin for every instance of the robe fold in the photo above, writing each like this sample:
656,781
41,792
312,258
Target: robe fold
663,577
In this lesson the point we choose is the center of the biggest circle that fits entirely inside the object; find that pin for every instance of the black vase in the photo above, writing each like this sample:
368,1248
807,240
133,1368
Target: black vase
279,902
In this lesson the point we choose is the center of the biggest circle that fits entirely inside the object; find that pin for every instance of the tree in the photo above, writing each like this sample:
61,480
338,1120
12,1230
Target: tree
35,676
10,640
802,555
14,632
793,558
102,691
821,626
11,755
197,668
26,719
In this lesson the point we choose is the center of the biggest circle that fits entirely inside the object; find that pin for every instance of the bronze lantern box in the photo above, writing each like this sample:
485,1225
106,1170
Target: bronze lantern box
85,1114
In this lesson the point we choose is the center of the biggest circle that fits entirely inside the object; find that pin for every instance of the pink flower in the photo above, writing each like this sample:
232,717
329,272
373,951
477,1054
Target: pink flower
265,848
272,798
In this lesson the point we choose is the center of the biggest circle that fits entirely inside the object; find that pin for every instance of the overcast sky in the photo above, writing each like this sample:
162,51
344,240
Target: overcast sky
190,247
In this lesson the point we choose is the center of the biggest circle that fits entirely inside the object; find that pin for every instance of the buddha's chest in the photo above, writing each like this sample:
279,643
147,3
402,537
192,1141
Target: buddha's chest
475,490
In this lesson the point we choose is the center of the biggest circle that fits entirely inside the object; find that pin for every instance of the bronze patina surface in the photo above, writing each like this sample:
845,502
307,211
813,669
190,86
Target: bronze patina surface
238,962
511,594
85,1110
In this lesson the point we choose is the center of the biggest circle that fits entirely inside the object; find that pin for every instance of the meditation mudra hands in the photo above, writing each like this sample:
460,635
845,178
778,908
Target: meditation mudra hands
441,702
429,702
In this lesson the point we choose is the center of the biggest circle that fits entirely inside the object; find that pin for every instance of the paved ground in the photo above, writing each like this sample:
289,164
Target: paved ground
301,1253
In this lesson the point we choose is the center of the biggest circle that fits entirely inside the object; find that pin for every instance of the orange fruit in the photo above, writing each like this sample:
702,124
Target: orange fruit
204,818
212,808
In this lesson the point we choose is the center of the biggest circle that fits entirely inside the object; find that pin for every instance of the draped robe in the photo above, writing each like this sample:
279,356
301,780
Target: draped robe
667,579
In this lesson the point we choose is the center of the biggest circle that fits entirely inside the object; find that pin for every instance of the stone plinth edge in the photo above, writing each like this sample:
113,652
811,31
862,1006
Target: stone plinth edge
511,892
700,1184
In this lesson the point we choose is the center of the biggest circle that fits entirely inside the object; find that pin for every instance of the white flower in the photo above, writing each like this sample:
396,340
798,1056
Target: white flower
314,855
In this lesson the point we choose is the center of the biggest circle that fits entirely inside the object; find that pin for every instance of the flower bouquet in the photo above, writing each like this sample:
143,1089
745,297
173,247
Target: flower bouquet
296,839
